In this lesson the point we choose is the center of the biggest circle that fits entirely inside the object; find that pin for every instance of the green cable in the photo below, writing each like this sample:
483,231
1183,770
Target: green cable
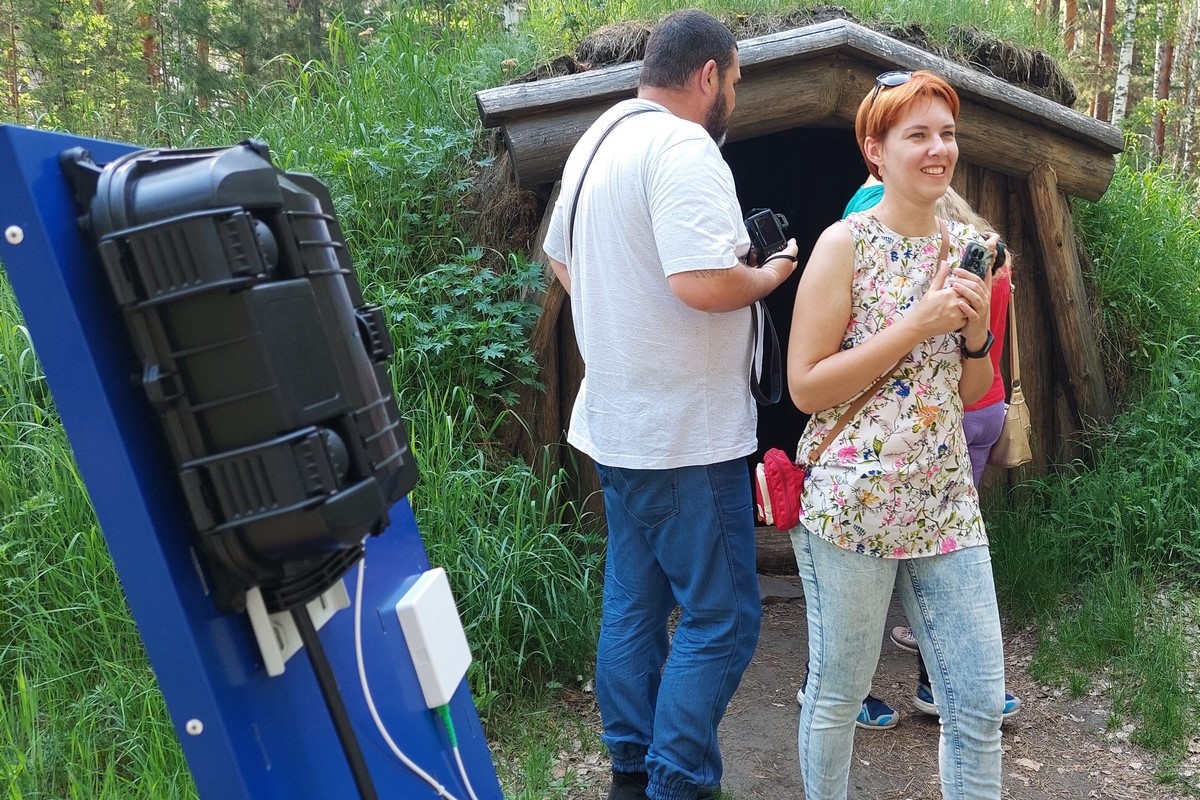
444,713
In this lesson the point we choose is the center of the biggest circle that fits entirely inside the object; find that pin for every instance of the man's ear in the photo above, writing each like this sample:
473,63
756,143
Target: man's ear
710,77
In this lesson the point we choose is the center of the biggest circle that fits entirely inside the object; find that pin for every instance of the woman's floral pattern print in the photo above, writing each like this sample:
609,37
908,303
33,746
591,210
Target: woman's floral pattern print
896,483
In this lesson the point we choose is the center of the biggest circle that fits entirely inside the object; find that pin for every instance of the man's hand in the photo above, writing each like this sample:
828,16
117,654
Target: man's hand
717,290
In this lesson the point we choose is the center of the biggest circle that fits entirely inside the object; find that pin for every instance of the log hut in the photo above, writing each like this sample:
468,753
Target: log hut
1022,158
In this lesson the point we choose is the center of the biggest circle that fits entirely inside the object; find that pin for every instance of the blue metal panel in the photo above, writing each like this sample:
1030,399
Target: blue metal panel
262,737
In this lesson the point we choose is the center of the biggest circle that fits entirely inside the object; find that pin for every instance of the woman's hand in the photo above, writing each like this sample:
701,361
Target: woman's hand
943,308
975,295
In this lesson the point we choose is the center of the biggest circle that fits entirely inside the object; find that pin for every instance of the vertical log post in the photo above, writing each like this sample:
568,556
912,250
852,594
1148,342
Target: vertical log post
1068,300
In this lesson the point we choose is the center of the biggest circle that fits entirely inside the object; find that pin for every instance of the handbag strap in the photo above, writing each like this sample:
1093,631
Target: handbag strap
570,230
1014,357
862,399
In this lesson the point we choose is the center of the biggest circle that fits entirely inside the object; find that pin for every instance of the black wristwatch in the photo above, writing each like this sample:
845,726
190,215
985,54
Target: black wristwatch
981,352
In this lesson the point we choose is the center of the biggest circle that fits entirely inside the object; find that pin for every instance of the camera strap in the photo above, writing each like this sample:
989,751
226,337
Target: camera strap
761,325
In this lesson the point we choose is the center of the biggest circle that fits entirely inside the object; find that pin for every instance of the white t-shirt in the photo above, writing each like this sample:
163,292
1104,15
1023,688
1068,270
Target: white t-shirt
665,385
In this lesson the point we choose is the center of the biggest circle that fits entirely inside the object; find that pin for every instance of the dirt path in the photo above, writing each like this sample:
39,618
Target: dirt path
1057,747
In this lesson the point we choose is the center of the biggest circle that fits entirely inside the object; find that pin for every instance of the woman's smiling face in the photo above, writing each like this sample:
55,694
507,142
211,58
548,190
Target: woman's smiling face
917,155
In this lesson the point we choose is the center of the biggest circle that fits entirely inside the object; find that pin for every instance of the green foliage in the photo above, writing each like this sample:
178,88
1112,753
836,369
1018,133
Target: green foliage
1086,548
1144,242
467,326
81,715
559,26
76,68
524,570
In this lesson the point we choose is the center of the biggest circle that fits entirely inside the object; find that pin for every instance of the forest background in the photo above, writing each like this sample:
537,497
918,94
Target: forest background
377,100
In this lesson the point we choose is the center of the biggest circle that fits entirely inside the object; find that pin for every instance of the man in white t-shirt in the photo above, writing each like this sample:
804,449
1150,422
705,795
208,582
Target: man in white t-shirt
647,237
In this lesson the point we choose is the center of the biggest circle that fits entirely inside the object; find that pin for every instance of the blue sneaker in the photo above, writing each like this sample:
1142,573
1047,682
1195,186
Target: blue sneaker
874,715
924,702
1012,705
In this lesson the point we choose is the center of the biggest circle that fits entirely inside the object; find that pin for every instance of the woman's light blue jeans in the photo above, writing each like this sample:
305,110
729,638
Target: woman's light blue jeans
950,601
675,537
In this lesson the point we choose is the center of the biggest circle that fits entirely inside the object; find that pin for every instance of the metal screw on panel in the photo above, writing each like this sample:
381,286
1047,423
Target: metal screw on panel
194,727
14,234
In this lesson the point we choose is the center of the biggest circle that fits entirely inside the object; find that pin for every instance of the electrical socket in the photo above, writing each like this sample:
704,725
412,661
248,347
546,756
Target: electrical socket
434,634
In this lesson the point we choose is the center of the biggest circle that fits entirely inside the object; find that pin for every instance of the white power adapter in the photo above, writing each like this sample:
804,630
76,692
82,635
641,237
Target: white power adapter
434,633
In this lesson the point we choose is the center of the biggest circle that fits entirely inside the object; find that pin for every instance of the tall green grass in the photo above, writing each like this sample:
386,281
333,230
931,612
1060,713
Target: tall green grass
1090,549
558,26
81,714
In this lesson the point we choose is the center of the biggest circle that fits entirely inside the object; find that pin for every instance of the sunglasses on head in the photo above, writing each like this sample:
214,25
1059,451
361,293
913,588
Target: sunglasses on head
887,80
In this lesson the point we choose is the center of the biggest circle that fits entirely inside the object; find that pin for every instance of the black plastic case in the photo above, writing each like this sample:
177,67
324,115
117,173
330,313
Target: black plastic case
264,365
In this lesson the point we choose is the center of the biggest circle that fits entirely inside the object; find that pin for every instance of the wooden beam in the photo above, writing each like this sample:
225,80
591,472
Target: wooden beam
539,144
1041,369
1068,299
773,553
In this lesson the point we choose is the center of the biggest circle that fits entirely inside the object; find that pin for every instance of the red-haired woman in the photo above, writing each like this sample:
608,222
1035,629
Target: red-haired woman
890,501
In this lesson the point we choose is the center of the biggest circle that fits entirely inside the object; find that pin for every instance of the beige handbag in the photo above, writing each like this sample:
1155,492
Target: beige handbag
1012,448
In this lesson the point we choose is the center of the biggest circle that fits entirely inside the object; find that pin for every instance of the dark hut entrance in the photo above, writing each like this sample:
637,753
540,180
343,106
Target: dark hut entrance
806,174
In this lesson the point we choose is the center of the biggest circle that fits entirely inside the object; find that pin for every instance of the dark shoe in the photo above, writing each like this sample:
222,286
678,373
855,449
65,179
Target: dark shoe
876,715
628,786
924,702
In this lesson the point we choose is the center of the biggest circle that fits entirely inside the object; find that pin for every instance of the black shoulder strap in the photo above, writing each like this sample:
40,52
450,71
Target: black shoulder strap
570,229
761,327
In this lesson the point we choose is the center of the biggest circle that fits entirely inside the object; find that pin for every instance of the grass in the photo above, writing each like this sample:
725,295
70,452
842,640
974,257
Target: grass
1093,553
81,715
1089,550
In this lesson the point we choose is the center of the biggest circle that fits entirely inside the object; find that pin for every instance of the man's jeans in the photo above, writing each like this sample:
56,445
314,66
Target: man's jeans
675,537
950,601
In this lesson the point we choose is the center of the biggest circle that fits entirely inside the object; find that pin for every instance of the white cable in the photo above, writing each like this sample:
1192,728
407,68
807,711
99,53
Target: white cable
366,690
462,770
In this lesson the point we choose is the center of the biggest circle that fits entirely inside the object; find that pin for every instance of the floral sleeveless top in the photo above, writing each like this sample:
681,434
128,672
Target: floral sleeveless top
896,482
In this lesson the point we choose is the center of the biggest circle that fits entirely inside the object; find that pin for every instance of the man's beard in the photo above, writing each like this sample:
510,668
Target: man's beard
716,122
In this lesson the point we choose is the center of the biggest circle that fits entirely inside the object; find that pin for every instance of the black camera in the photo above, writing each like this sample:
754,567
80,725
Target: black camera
977,259
766,234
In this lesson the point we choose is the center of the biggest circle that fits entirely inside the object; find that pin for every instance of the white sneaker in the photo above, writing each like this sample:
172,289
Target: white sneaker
902,637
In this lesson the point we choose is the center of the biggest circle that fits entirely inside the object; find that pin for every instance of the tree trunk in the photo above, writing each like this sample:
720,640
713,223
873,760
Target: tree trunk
1125,64
1070,20
1104,60
1187,128
150,55
202,70
10,69
1164,62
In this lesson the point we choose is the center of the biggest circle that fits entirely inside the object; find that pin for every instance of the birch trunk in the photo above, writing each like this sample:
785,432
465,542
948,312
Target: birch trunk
1070,14
10,70
1124,64
1104,60
1184,161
